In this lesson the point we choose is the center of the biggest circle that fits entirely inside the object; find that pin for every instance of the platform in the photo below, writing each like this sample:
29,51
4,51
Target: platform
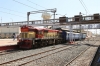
7,42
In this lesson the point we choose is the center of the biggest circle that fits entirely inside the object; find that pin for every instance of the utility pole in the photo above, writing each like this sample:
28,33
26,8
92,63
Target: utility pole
71,33
28,13
80,24
96,31
54,17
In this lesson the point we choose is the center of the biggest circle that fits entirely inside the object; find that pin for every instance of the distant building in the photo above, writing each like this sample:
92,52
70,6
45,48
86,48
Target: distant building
89,34
7,32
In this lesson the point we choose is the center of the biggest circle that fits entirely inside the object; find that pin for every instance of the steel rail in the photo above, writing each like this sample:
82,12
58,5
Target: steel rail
32,55
77,56
45,56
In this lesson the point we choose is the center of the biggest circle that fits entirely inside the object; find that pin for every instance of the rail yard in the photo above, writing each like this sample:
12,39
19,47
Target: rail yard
64,41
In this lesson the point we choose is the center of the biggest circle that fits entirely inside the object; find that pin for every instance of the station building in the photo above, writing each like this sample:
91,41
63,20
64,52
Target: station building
8,31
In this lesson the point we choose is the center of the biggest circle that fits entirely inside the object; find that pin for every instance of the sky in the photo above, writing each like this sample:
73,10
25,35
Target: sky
16,10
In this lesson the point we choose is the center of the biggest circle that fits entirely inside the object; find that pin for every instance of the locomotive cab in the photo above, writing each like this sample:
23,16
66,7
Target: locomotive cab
26,40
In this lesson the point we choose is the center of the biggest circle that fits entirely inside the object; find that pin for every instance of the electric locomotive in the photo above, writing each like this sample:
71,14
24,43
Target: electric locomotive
31,37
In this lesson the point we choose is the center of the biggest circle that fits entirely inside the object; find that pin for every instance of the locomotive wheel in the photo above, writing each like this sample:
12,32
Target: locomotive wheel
36,45
39,44
55,42
58,41
45,43
50,42
42,43
31,45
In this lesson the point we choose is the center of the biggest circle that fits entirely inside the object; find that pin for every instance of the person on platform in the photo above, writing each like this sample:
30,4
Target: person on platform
14,37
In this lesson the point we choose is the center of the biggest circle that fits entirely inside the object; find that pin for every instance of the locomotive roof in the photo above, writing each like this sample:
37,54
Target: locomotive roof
76,32
73,32
37,28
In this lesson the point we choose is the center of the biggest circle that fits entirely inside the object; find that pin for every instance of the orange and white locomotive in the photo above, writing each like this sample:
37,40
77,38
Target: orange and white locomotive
31,37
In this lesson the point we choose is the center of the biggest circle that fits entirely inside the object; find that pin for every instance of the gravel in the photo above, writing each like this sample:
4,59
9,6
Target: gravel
54,59
13,56
86,58
59,59
36,57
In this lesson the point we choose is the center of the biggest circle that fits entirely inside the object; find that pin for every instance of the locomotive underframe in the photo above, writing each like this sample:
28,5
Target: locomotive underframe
34,43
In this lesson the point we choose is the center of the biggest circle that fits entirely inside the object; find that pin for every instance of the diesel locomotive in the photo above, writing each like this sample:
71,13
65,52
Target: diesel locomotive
34,37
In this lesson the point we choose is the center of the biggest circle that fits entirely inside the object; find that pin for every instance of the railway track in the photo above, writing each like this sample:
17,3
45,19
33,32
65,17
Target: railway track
19,59
44,56
49,55
76,57
9,52
67,64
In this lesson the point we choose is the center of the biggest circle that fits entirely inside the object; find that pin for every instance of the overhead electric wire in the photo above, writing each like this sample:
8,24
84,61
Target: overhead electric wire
84,7
12,14
36,4
12,10
25,4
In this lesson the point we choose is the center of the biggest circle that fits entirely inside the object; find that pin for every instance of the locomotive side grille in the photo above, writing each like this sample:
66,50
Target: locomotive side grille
25,35
22,35
51,35
31,35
